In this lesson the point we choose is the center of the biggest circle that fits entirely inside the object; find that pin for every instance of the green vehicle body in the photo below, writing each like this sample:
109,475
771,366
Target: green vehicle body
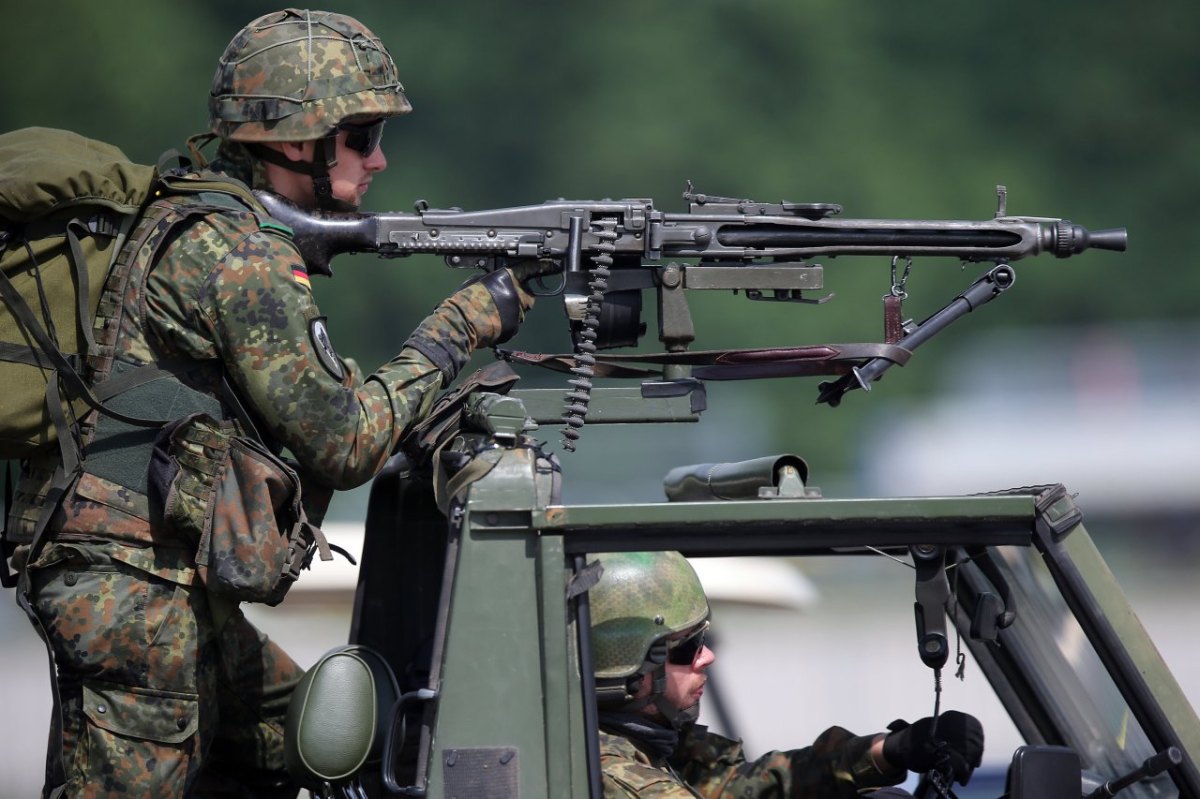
489,598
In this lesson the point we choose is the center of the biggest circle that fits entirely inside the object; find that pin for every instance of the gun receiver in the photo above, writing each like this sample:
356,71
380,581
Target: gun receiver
611,250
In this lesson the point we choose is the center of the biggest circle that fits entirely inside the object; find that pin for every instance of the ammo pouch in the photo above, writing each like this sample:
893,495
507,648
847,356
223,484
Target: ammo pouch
238,503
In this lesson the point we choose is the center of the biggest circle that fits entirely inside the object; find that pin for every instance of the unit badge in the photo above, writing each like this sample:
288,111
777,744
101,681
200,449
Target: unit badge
324,347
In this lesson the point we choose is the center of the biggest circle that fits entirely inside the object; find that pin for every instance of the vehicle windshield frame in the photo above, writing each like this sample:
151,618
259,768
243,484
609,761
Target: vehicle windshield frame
1033,674
1047,673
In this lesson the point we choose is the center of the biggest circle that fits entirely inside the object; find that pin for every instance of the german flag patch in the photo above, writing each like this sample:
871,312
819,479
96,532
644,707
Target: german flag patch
300,275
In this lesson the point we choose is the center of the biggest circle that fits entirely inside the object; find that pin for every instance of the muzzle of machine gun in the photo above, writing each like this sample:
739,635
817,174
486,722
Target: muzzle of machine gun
1071,239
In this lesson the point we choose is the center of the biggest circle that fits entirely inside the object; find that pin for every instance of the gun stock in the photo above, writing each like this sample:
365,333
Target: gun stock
322,235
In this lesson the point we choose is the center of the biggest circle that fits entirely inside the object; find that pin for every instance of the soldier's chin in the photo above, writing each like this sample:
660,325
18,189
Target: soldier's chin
688,715
346,206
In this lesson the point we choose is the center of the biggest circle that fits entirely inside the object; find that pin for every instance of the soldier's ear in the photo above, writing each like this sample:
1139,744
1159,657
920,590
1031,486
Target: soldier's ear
298,151
633,686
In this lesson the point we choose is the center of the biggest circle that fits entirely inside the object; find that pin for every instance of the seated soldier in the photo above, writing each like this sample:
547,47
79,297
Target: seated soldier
649,617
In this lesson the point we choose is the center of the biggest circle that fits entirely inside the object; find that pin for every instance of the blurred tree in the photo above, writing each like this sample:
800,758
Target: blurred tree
902,110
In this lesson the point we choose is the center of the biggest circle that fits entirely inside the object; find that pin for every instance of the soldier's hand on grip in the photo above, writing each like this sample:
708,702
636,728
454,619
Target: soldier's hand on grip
953,739
528,270
488,309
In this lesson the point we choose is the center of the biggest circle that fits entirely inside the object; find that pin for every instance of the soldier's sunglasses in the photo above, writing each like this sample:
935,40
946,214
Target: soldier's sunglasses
363,139
687,650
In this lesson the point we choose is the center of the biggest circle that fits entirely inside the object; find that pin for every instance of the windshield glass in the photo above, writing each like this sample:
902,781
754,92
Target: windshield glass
1070,685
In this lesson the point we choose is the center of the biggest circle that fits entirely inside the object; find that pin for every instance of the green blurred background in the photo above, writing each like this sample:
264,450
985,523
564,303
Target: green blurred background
890,109
1085,373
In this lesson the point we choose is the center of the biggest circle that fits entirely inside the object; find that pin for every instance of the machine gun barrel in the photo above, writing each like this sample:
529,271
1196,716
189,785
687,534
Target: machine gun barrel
971,241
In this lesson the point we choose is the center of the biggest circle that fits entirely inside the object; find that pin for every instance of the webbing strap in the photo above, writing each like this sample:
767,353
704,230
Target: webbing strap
147,373
83,284
67,445
230,395
63,369
94,226
23,353
448,489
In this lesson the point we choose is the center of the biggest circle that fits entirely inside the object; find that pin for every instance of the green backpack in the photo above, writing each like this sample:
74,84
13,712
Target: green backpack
67,206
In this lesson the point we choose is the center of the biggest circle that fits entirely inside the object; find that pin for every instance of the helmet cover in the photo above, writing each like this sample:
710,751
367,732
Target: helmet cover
641,598
295,75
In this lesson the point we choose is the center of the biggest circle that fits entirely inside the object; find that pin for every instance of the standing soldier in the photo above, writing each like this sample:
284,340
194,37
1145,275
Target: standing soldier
649,620
163,687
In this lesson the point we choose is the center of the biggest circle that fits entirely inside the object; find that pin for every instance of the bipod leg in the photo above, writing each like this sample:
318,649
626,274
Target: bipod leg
990,285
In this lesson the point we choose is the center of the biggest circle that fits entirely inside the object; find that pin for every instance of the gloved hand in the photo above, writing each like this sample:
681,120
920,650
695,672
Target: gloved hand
525,271
957,742
488,309
510,292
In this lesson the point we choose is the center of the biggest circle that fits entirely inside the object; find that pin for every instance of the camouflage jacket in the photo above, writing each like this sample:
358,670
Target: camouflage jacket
704,764
229,293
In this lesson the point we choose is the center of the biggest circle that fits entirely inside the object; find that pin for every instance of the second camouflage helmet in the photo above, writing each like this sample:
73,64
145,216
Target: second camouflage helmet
295,75
641,598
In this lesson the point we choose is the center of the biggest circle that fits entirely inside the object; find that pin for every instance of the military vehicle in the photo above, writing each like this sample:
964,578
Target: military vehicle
468,670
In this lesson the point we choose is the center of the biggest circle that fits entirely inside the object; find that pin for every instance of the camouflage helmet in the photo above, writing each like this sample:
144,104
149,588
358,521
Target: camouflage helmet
641,598
295,75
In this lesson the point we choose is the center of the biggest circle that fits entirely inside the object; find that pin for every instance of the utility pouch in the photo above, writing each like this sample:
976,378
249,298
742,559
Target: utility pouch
238,503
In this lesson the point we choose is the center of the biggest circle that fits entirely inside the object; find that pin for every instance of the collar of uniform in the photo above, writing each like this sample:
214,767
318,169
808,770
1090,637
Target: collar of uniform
655,740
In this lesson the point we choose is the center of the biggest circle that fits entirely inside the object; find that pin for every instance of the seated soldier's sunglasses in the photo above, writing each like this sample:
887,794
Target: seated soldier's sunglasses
687,650
363,139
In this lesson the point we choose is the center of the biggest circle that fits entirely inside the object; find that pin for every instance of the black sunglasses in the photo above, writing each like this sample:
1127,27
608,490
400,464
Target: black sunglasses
686,651
363,139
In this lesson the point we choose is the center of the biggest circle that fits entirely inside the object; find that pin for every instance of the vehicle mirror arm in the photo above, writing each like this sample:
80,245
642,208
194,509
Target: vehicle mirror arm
990,613
994,576
932,593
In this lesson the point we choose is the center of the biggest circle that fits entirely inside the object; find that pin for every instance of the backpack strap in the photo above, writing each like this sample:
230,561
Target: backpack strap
180,180
81,275
153,230
47,351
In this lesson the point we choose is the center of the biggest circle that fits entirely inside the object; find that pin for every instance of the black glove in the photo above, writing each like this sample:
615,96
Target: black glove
511,294
957,743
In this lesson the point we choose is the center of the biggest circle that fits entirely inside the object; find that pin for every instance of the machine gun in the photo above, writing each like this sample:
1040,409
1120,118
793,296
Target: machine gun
611,250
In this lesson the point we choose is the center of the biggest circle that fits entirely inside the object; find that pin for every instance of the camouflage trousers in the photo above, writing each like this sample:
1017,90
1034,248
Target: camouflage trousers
155,700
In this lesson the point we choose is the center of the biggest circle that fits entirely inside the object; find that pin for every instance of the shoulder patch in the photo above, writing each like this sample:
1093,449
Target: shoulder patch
300,275
324,348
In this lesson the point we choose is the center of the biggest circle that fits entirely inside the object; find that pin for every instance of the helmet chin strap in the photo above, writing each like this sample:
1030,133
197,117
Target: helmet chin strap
324,159
655,670
677,717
